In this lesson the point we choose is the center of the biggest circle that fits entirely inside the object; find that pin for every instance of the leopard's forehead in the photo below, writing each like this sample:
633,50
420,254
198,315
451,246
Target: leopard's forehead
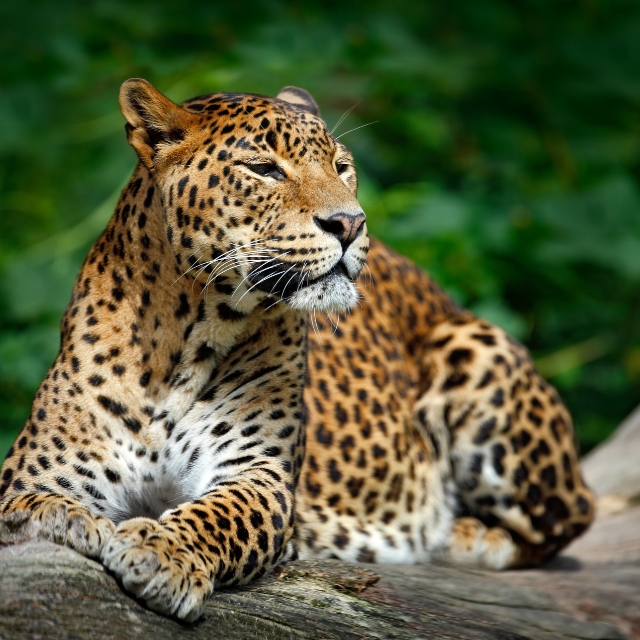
259,123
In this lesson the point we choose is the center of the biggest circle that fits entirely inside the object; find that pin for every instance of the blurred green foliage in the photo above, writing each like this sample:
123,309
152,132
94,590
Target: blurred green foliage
503,157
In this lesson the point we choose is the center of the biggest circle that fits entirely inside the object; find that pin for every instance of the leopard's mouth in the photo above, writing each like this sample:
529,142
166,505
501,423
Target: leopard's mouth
338,269
333,291
283,281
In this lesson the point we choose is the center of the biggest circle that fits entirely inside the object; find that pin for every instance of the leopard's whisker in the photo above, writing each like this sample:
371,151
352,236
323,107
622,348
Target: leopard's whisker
233,262
309,324
343,116
288,281
280,278
255,273
356,128
284,288
366,266
334,326
237,249
274,304
304,275
316,329
256,283
231,265
193,266
198,265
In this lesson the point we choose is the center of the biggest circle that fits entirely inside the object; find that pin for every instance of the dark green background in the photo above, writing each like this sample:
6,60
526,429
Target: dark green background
504,157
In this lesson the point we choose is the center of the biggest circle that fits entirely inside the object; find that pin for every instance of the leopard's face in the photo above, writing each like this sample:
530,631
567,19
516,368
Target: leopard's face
257,195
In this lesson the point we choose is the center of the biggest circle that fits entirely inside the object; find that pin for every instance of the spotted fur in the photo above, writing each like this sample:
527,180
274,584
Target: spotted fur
430,433
168,438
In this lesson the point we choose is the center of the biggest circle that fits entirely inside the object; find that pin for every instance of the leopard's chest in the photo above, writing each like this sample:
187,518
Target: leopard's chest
160,469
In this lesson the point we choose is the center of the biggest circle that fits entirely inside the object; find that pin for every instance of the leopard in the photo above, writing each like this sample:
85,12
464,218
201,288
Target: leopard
245,377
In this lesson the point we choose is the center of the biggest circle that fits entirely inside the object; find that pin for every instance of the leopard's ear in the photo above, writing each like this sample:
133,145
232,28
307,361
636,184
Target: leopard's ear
300,98
153,121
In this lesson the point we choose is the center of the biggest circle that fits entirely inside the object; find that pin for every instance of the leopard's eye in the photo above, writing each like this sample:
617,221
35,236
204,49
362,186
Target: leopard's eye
341,167
267,170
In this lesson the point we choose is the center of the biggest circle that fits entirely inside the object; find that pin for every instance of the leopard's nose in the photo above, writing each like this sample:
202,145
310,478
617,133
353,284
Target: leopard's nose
344,226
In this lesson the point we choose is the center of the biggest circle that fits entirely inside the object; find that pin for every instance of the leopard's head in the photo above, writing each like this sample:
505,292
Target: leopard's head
257,194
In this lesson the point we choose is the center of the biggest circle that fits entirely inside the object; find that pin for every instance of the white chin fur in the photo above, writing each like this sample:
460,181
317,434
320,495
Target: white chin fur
336,293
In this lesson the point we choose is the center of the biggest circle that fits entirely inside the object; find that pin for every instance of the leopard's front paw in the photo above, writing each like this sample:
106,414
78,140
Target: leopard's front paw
151,564
65,521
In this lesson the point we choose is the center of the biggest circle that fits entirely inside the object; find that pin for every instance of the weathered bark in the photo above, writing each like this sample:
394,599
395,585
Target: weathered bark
591,591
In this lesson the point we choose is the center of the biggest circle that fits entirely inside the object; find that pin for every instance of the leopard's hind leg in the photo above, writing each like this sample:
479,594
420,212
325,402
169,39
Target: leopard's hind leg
511,444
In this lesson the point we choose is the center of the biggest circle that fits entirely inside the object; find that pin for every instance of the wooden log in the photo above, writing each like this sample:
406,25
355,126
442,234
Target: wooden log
592,591
613,467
